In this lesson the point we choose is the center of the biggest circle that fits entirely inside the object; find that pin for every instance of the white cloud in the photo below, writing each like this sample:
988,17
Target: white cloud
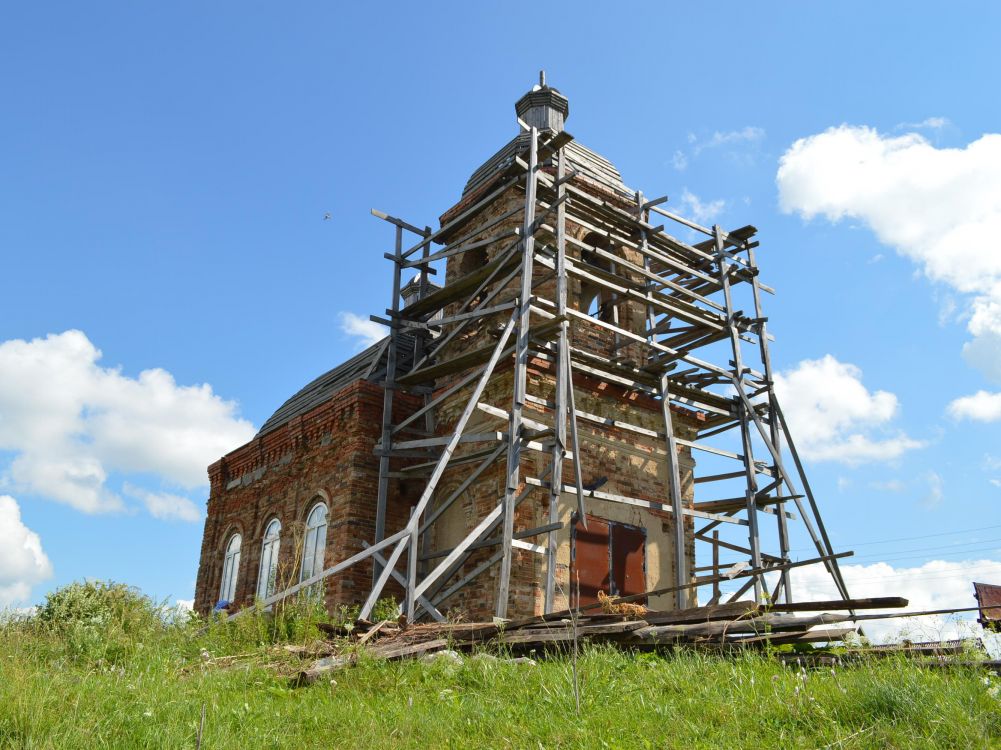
890,485
936,490
939,207
23,563
982,406
984,354
164,505
937,584
834,417
71,422
700,212
748,134
366,331
929,123
679,161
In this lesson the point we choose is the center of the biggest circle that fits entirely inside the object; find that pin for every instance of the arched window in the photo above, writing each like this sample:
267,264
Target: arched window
230,569
269,559
597,301
315,543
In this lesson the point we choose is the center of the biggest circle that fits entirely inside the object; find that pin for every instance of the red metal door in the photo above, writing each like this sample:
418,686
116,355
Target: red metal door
628,560
589,565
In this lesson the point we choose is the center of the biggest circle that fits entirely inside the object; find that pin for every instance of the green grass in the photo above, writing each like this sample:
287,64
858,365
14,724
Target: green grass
94,683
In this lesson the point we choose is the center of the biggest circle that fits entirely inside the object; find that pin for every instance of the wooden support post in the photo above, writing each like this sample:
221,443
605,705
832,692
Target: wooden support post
722,261
671,458
560,406
520,374
424,542
716,591
389,388
773,424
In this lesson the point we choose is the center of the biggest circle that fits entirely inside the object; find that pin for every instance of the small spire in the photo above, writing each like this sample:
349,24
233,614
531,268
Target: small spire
542,78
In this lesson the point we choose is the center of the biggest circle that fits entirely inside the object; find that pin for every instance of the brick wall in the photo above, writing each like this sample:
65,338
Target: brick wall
324,455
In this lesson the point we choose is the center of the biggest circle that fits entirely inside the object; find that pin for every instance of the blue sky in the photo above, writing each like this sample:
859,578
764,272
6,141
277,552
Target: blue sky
166,171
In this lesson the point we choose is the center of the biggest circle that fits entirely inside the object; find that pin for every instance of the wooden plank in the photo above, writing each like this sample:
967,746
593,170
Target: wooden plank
877,602
461,362
731,611
482,567
428,606
755,626
383,577
463,486
456,289
819,635
649,504
457,249
356,558
502,414
727,504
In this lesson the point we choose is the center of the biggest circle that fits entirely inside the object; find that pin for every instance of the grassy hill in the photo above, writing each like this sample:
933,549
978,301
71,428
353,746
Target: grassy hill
104,670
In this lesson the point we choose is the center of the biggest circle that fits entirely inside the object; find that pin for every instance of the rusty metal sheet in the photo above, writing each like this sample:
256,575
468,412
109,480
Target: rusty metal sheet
590,564
628,560
607,556
989,598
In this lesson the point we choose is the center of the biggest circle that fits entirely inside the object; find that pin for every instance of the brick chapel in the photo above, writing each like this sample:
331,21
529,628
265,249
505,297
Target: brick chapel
301,496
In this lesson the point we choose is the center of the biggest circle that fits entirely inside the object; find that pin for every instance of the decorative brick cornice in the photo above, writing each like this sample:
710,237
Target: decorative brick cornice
302,430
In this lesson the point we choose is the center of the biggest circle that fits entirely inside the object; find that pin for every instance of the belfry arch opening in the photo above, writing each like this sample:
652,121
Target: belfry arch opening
597,301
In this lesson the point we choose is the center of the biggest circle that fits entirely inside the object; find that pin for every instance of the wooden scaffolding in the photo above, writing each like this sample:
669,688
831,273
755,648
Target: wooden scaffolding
705,347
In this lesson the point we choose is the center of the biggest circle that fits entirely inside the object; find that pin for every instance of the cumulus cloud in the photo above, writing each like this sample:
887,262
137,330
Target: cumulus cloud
982,406
23,562
937,584
70,422
164,505
366,331
699,211
938,207
834,417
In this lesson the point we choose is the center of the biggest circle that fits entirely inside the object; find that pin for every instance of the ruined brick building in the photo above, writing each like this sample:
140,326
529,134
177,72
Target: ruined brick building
547,347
